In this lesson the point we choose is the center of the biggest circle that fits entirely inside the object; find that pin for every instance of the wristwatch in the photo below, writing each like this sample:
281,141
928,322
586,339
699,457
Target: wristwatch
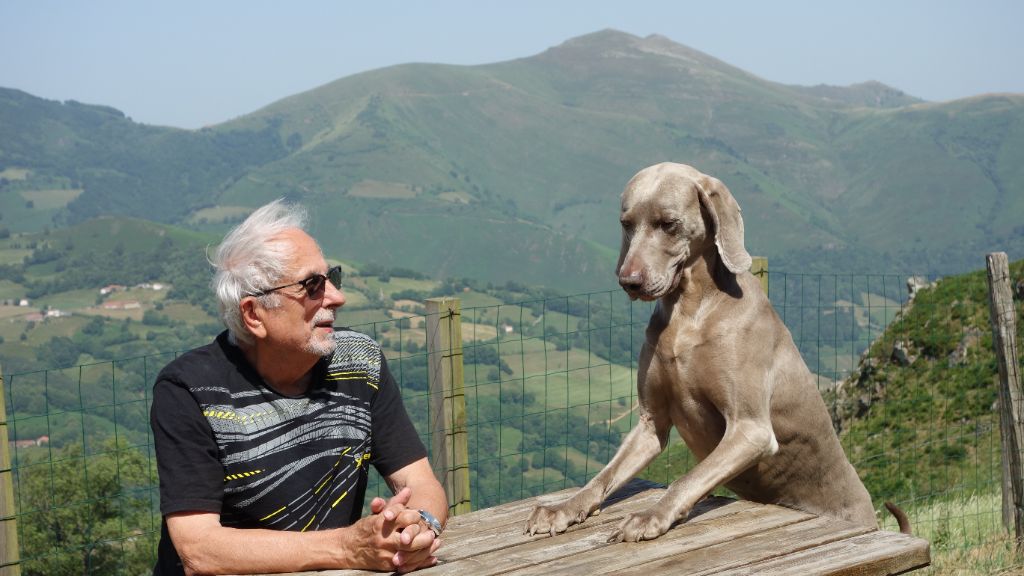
433,523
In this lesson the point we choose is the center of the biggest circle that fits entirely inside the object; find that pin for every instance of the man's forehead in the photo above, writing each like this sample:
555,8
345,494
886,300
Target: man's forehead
305,253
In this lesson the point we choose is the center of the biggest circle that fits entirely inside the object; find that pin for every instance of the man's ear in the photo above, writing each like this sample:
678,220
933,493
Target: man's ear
252,317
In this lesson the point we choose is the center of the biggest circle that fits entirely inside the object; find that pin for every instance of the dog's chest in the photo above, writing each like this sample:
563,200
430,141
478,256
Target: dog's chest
679,349
682,372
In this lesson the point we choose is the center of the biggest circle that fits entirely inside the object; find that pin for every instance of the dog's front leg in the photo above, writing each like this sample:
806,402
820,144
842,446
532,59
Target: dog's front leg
743,444
640,446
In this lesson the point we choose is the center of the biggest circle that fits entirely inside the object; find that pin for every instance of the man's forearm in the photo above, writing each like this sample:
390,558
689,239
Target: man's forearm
222,550
376,542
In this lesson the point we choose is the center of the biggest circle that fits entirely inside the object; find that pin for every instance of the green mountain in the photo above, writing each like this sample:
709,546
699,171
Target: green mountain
512,171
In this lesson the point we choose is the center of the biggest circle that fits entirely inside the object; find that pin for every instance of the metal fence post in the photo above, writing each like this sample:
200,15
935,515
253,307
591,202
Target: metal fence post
449,437
10,563
1003,314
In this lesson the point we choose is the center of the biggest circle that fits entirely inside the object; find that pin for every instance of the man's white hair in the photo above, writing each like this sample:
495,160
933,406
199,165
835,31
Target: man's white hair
252,258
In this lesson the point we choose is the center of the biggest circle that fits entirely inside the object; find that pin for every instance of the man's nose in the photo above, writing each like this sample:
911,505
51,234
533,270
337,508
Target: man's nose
333,296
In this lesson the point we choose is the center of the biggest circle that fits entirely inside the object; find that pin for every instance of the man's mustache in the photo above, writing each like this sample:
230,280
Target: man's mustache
323,315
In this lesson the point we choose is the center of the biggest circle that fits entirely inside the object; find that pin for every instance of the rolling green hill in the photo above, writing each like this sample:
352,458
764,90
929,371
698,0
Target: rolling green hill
511,171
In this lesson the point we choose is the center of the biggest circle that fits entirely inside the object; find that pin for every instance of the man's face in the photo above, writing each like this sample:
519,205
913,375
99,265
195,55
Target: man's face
302,323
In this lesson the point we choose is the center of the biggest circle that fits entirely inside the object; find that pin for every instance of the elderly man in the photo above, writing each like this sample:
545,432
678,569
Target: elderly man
263,437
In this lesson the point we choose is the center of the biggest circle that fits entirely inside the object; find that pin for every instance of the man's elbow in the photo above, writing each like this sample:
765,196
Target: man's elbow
195,561
192,538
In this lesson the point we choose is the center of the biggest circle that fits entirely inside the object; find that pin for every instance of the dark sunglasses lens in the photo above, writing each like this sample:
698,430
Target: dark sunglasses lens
335,275
315,286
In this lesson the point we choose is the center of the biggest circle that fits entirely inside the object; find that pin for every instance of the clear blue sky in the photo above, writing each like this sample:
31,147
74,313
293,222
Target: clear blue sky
189,63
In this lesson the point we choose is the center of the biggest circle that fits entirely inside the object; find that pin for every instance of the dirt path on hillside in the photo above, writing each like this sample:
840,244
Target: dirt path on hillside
611,421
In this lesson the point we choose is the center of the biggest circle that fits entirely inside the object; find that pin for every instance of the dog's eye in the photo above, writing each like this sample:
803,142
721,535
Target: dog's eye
668,226
627,226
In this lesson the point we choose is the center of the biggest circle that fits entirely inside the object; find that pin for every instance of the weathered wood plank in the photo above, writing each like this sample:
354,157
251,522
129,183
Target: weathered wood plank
482,536
449,438
696,534
9,557
586,540
502,547
640,492
749,548
1003,315
868,554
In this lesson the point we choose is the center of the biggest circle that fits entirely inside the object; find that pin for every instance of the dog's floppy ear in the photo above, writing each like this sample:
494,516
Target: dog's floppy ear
725,213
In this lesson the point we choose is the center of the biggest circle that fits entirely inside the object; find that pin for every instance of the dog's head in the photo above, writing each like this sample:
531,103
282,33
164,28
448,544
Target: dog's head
672,213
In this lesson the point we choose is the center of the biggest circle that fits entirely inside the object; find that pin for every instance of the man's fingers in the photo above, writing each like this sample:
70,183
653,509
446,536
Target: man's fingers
402,497
397,519
409,566
407,560
395,504
408,535
377,505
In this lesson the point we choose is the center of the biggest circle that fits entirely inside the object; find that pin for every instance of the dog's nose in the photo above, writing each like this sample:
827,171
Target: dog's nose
632,279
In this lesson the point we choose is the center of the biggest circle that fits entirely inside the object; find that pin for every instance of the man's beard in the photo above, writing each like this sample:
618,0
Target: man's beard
321,346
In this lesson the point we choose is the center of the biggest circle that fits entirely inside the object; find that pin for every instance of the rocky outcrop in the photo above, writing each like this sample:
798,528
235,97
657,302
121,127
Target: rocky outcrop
865,385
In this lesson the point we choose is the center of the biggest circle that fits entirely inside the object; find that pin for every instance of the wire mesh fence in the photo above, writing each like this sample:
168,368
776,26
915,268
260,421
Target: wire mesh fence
550,391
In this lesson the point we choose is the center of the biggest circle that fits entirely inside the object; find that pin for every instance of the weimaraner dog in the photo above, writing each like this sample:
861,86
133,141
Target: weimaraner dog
719,365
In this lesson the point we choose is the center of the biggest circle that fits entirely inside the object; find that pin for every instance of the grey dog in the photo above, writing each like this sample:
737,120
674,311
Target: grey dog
719,365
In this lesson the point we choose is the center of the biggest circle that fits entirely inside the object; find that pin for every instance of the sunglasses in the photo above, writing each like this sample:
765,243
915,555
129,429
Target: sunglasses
315,285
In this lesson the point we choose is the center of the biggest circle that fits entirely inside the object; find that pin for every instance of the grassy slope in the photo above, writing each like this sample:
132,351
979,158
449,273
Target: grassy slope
929,428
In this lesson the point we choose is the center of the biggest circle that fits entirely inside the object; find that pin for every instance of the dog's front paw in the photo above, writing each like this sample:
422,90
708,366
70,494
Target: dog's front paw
646,525
555,518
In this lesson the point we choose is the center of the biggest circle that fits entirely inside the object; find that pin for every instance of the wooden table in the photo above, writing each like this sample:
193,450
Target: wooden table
722,536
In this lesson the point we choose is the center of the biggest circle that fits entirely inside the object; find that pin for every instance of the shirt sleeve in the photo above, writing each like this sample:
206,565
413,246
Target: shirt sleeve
187,458
395,443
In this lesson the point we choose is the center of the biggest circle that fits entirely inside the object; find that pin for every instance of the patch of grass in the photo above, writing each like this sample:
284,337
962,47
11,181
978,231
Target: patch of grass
966,535
379,189
188,313
15,173
10,289
74,301
9,255
50,327
354,299
219,214
51,199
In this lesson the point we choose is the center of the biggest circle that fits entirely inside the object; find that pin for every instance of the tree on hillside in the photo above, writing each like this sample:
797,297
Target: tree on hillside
86,514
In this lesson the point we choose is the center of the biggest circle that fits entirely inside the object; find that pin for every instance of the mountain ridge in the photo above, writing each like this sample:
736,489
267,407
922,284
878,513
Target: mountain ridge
437,167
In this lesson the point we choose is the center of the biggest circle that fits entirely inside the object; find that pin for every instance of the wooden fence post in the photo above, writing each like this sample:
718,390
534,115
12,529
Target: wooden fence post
449,438
10,563
1011,398
759,268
